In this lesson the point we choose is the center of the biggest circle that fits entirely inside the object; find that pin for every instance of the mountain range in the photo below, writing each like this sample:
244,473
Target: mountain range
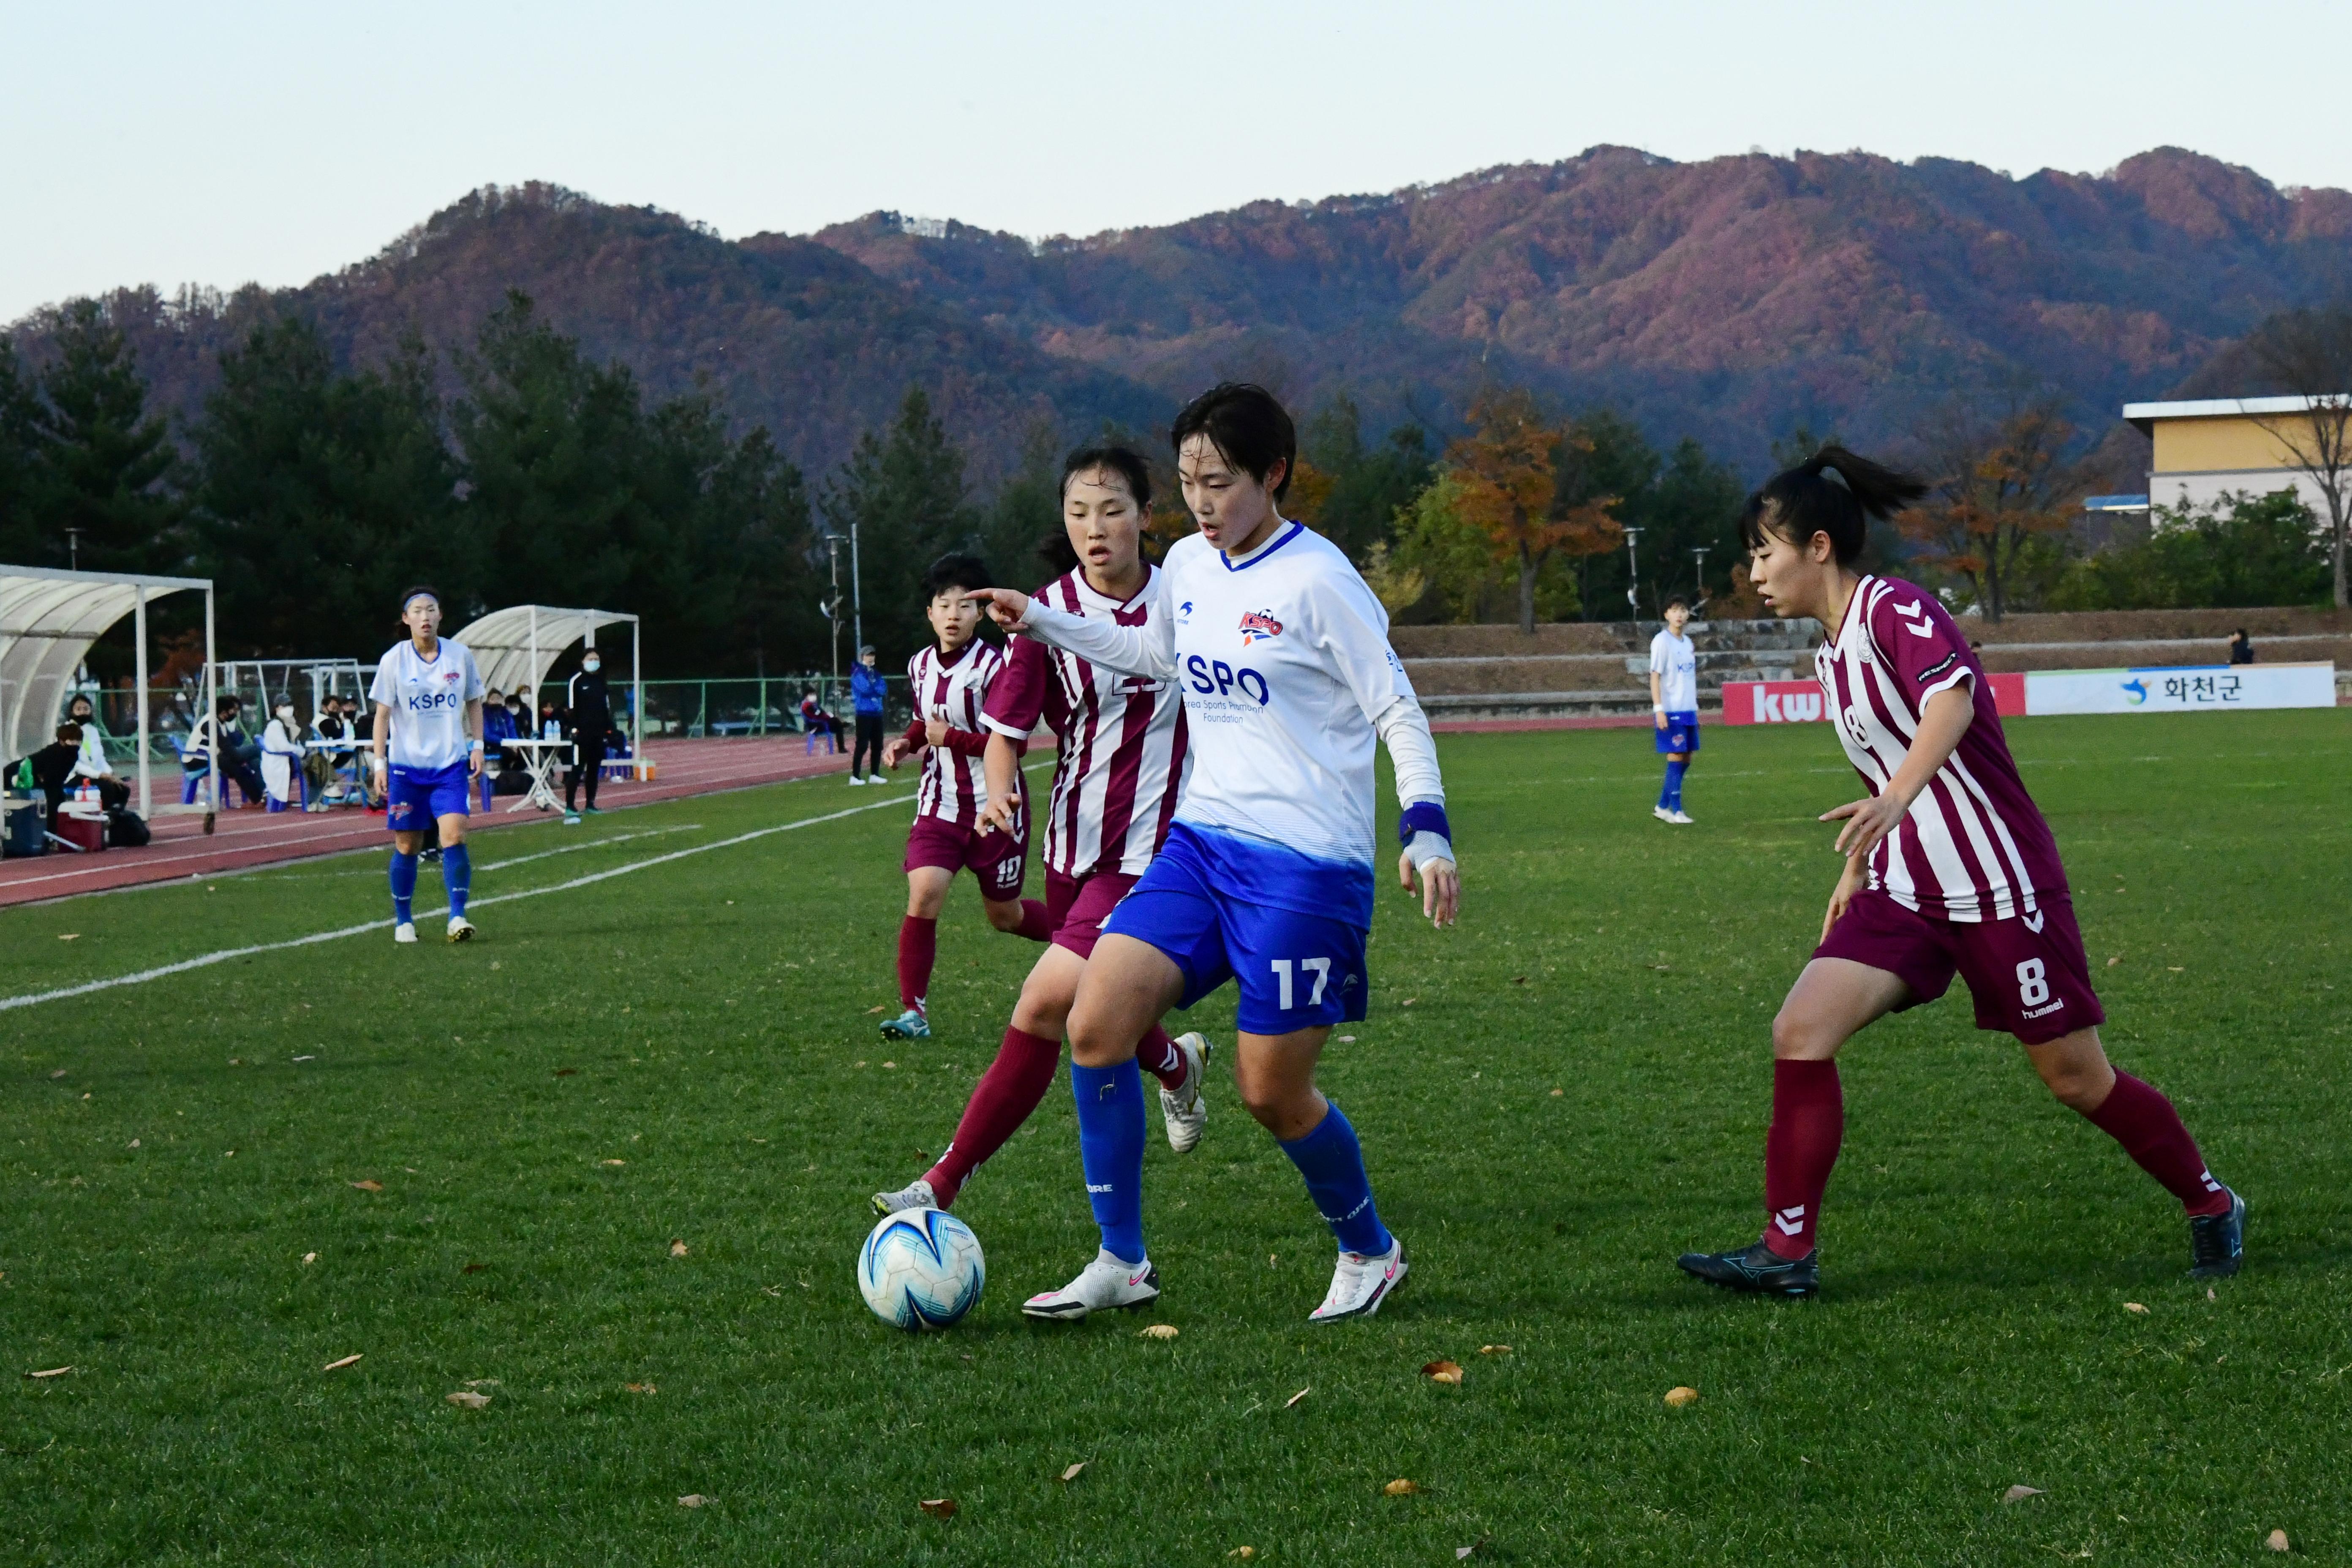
1731,300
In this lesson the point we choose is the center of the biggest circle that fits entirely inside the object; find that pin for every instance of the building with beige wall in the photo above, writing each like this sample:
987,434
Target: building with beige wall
2206,450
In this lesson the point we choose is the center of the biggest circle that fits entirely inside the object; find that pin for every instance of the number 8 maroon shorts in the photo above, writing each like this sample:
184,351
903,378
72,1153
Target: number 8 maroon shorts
2030,980
1000,861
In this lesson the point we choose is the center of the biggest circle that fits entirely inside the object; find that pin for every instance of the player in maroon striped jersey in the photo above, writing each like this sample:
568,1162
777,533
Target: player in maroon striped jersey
949,685
1121,766
1950,868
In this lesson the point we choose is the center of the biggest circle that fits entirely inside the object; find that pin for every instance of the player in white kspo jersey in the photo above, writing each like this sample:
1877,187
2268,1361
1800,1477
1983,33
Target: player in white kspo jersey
1123,752
428,714
1289,686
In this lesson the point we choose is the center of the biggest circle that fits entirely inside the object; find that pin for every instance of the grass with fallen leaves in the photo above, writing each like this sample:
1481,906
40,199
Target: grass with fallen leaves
539,1249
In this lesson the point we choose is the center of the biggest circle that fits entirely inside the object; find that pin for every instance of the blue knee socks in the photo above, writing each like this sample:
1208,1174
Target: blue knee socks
1671,797
457,877
403,884
1110,1147
1333,1164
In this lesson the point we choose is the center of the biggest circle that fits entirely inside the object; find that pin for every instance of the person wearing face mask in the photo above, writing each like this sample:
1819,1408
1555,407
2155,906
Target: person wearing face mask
281,753
91,765
591,724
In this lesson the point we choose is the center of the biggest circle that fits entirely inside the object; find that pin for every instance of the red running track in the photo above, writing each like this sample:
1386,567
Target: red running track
251,836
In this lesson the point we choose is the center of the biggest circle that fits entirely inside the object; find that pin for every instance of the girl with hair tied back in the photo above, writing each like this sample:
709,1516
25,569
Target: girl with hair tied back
1950,868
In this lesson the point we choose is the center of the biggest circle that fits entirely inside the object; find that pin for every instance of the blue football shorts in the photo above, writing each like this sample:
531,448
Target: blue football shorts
417,798
1681,733
1296,971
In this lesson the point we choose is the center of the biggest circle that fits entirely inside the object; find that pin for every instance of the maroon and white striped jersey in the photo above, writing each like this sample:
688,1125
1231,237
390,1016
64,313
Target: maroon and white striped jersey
955,781
1974,846
1123,754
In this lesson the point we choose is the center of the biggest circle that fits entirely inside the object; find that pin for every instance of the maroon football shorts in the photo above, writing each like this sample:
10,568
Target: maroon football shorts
1076,906
997,860
2031,983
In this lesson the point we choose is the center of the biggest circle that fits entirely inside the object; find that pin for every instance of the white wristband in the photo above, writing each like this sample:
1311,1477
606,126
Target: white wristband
1427,847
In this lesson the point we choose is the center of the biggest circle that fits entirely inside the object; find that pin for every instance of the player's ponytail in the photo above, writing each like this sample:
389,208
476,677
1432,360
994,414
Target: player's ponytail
1833,492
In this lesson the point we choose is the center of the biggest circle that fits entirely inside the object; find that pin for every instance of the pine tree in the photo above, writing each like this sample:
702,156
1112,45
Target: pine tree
19,533
320,496
101,465
903,488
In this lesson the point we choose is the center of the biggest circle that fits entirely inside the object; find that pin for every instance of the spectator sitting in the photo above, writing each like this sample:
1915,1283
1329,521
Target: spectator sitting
91,765
815,721
282,753
318,764
551,721
237,754
53,767
498,721
2241,649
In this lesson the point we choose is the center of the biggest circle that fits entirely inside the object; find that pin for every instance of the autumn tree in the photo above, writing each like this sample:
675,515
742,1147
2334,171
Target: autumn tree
2309,354
1507,477
2000,485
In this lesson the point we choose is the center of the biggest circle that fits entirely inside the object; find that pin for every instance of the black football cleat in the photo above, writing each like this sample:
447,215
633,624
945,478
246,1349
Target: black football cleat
1756,1269
2217,1242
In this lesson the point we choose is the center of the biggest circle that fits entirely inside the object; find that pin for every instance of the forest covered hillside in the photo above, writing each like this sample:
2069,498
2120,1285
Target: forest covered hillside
1730,300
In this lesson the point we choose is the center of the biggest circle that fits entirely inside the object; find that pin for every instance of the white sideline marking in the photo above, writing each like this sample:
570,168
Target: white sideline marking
305,876
205,959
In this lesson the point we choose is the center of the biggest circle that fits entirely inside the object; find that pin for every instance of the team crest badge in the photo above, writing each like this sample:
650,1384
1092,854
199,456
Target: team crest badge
1257,626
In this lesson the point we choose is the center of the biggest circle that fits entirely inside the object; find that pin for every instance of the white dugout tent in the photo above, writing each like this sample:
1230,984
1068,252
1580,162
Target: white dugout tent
518,644
48,621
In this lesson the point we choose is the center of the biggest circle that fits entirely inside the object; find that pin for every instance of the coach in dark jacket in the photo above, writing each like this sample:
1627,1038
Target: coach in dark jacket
591,704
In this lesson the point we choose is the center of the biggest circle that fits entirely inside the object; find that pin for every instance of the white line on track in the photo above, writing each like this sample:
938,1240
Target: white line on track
202,961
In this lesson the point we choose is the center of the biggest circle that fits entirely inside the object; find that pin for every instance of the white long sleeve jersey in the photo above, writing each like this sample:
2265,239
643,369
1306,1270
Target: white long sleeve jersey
1289,685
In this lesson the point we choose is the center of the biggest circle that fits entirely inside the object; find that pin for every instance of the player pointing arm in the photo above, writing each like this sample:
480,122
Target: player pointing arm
1290,688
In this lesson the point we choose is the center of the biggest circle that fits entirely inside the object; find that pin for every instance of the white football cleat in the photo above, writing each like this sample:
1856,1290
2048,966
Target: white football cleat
1679,817
404,932
1186,1111
1662,814
915,1194
1100,1285
460,929
1360,1284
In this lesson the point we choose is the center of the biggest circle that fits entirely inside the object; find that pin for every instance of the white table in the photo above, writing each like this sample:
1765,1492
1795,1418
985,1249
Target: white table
539,758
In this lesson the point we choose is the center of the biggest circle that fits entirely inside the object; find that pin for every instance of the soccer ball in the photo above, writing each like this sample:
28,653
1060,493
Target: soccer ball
921,1268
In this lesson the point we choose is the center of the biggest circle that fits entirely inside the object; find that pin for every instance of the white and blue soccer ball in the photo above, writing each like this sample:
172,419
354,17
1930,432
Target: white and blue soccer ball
921,1268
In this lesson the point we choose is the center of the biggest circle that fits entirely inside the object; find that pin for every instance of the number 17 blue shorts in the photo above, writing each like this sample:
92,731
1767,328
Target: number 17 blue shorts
1296,971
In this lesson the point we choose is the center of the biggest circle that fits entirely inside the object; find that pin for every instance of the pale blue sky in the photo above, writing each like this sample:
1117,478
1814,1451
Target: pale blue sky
226,142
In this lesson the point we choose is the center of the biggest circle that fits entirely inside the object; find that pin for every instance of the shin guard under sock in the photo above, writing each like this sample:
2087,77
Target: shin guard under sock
456,878
403,887
1110,1147
1671,797
1332,1162
2137,1116
1036,924
919,949
1001,1101
1808,1124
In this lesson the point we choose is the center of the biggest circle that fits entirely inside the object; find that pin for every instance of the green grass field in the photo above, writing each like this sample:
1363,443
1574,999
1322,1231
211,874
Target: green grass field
689,1053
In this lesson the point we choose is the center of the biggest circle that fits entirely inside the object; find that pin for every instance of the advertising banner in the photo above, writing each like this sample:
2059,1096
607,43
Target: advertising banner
1800,701
2200,687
